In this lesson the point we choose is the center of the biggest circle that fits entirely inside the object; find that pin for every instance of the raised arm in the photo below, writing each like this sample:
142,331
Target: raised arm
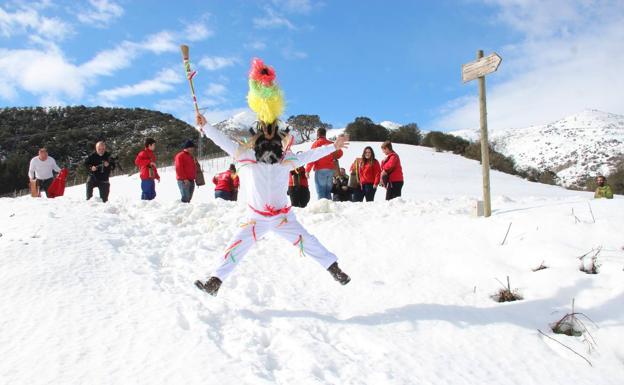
319,152
220,139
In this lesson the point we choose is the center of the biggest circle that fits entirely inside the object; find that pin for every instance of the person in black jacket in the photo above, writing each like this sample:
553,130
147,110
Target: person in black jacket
340,188
99,165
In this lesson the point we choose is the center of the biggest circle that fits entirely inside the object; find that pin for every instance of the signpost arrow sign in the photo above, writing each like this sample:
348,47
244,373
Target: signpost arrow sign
477,70
481,67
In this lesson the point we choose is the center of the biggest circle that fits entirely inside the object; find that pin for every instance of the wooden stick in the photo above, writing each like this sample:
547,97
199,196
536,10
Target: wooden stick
507,233
565,346
591,211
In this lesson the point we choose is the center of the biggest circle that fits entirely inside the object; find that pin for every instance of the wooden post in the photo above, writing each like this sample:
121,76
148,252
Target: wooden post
485,149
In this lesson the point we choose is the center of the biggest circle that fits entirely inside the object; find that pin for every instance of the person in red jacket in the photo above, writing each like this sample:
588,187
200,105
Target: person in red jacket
185,170
146,162
368,173
324,168
226,183
391,172
298,189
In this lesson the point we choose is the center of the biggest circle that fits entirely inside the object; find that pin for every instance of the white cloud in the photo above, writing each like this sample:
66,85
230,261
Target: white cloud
45,71
293,54
216,89
272,20
109,61
101,13
160,42
571,61
27,19
197,32
163,82
256,45
39,73
217,62
296,6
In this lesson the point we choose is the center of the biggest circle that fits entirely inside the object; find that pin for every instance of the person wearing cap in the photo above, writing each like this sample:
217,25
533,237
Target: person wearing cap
603,190
186,170
42,169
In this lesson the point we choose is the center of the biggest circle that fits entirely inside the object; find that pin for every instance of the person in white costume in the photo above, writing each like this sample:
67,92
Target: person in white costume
264,171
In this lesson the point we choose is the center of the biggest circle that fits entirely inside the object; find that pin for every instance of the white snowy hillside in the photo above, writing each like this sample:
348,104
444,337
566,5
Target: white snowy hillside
94,293
576,147
390,125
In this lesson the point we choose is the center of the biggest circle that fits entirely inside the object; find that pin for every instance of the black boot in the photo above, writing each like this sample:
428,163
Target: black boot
211,286
338,274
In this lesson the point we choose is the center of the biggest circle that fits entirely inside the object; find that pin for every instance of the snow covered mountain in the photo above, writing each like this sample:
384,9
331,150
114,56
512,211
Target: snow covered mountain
94,293
390,125
581,145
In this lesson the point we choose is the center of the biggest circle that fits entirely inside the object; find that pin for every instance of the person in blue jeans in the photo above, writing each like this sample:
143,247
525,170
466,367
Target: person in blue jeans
324,168
146,162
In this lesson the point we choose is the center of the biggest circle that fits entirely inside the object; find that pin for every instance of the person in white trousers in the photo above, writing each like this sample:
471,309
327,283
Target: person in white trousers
264,170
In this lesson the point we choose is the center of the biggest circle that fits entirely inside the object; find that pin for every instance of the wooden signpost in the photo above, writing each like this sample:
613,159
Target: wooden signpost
477,70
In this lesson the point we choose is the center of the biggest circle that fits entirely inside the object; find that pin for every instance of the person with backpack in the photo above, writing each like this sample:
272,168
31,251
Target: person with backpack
186,170
391,172
365,176
340,188
324,168
226,184
99,166
298,189
146,162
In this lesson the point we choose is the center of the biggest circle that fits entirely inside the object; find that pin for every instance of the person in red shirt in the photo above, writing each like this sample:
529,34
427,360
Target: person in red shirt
146,162
324,168
391,172
368,173
185,170
226,184
298,189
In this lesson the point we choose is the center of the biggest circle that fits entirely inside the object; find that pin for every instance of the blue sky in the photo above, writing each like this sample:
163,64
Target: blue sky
387,60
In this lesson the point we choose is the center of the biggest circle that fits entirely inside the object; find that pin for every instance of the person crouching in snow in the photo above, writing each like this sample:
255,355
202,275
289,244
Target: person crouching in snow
226,184
265,164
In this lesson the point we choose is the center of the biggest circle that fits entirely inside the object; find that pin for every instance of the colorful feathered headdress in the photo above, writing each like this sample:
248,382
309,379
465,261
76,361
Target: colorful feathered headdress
265,98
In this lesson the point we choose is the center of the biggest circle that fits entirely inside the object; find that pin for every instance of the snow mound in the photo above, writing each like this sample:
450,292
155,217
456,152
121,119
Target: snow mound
103,293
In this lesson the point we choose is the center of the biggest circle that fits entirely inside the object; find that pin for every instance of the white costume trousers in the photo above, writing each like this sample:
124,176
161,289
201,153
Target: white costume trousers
287,227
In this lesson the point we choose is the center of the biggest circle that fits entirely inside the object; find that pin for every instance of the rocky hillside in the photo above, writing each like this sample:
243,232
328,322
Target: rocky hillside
70,133
576,147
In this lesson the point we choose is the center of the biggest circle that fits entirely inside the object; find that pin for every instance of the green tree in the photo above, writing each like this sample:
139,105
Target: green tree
307,125
408,134
363,129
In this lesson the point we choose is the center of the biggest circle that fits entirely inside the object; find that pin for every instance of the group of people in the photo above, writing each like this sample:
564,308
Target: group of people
332,182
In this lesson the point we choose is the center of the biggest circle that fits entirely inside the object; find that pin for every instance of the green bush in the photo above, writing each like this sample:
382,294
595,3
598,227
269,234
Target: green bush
363,129
407,134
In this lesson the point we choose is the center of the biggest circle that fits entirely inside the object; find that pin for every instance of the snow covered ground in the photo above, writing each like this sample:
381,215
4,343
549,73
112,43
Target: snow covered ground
94,293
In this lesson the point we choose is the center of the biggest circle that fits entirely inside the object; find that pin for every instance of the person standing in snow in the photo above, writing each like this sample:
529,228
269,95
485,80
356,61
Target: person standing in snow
340,187
603,190
266,162
146,162
298,189
99,165
391,172
324,168
185,169
42,170
226,184
367,174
